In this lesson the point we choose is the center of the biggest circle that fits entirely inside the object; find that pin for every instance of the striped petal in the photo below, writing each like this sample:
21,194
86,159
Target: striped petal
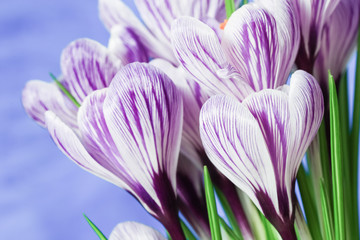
193,97
115,12
262,44
313,15
69,143
134,231
158,15
39,97
259,143
87,66
198,49
143,111
338,40
127,46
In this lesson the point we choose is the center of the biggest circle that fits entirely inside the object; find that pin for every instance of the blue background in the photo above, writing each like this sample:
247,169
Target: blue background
42,193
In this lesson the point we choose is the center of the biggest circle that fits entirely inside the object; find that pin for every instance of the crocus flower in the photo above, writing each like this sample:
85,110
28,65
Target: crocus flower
259,143
135,231
328,36
256,51
157,16
129,134
86,66
190,182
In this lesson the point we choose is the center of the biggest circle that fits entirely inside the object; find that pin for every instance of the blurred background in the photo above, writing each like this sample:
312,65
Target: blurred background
43,195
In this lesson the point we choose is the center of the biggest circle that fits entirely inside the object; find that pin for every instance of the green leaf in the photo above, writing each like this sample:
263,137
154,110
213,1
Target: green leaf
245,2
188,234
354,147
96,229
228,230
229,213
230,7
327,214
336,162
64,90
306,190
211,206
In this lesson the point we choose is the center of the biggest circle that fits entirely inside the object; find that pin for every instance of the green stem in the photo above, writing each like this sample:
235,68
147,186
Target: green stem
308,202
354,141
230,215
327,217
230,7
336,163
211,206
187,232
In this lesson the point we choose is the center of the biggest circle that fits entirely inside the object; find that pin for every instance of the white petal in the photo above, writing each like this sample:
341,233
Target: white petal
198,49
134,231
39,97
143,111
69,143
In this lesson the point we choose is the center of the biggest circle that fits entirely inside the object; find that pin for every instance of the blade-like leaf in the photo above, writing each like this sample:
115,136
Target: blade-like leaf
211,206
354,150
336,162
327,217
228,230
96,229
230,7
187,232
306,190
64,90
230,215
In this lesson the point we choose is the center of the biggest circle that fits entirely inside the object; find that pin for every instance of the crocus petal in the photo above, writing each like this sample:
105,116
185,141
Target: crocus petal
70,144
313,14
115,12
193,97
338,40
87,66
306,112
39,97
135,231
259,143
260,45
143,111
126,45
198,49
158,15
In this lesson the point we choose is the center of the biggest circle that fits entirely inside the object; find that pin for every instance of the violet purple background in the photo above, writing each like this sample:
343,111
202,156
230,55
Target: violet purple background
42,193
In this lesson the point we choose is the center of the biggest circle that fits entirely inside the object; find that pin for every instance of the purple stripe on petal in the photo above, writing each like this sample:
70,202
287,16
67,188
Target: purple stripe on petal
39,97
87,66
198,49
69,143
258,144
127,46
115,12
143,112
262,46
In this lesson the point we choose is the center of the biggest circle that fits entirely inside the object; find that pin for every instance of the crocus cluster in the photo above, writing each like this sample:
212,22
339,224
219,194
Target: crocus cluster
175,92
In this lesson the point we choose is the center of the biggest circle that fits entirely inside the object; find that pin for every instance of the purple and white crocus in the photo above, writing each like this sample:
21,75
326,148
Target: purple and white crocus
259,143
86,66
329,31
154,38
256,50
129,134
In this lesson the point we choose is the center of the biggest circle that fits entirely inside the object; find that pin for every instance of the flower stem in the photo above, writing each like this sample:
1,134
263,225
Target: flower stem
336,163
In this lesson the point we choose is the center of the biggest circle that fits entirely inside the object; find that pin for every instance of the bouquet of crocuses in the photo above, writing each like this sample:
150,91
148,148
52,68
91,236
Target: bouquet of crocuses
243,101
